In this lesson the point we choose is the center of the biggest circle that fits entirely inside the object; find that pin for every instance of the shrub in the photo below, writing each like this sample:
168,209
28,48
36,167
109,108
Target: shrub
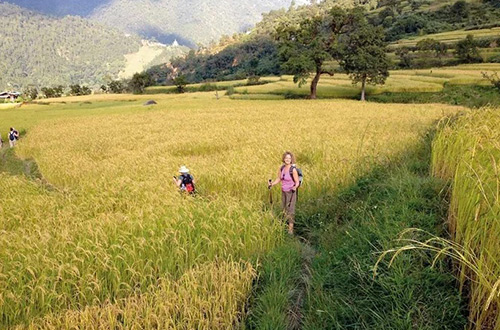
207,87
230,91
494,59
493,79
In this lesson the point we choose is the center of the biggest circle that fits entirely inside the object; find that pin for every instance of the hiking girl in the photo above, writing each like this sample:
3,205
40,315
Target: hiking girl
289,178
13,137
185,181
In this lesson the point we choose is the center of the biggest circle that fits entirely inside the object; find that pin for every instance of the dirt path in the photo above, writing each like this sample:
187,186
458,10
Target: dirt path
297,300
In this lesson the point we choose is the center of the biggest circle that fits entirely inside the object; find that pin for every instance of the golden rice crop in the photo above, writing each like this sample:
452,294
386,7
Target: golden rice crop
400,81
112,231
209,296
468,152
449,36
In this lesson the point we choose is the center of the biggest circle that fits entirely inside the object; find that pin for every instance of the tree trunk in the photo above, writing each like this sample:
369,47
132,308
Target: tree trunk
314,84
363,87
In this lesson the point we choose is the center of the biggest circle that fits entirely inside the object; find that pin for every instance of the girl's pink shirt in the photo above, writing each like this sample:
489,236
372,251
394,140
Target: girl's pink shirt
287,182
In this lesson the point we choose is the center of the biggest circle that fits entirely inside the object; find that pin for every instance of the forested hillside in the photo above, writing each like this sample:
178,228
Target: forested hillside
44,51
400,18
190,21
256,53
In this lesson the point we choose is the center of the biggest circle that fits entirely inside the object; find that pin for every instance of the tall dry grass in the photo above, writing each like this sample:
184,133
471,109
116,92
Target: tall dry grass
467,152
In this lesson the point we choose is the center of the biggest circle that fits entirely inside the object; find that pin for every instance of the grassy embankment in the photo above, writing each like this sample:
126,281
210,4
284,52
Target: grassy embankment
111,243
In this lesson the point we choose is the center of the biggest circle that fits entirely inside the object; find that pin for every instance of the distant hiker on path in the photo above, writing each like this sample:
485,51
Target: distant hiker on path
185,181
289,178
13,137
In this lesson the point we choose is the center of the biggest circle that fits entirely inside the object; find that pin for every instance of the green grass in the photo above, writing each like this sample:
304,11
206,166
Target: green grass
471,96
279,277
360,224
114,225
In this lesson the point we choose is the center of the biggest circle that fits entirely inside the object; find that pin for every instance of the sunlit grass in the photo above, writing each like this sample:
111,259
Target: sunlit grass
467,152
113,232
449,37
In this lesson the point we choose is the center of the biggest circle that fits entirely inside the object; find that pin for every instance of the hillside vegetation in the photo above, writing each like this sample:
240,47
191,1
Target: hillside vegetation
418,23
190,22
42,51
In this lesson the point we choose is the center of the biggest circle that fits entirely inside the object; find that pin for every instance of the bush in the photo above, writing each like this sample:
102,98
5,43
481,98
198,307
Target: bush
180,82
253,80
230,91
207,87
493,79
467,50
116,87
31,92
494,59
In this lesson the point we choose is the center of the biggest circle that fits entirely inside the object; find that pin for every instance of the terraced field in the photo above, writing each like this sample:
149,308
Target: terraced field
99,237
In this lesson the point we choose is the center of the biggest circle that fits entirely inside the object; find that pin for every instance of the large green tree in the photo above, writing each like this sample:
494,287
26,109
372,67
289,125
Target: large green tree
362,52
467,51
305,46
139,82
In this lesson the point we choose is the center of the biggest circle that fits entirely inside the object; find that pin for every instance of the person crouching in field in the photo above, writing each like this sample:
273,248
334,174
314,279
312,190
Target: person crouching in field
185,181
289,178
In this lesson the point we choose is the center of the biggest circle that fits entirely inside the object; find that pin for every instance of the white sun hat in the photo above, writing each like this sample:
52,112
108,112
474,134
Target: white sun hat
183,169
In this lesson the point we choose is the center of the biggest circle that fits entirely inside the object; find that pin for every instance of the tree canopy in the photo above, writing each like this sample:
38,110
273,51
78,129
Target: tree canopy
362,52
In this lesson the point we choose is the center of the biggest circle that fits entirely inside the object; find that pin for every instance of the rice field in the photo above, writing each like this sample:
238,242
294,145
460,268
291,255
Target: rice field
400,81
449,37
102,239
467,152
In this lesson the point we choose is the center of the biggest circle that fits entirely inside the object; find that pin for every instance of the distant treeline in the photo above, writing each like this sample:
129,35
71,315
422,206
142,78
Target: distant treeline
134,85
400,22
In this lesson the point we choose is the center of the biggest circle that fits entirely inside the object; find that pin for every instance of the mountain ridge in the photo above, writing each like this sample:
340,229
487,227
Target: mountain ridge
191,22
40,50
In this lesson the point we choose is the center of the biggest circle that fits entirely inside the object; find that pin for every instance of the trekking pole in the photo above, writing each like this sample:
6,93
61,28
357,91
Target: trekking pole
270,192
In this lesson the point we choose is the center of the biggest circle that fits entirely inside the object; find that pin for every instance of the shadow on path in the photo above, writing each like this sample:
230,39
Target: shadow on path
11,164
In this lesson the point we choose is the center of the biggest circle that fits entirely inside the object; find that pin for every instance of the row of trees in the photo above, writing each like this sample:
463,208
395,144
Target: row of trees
135,85
33,93
429,52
